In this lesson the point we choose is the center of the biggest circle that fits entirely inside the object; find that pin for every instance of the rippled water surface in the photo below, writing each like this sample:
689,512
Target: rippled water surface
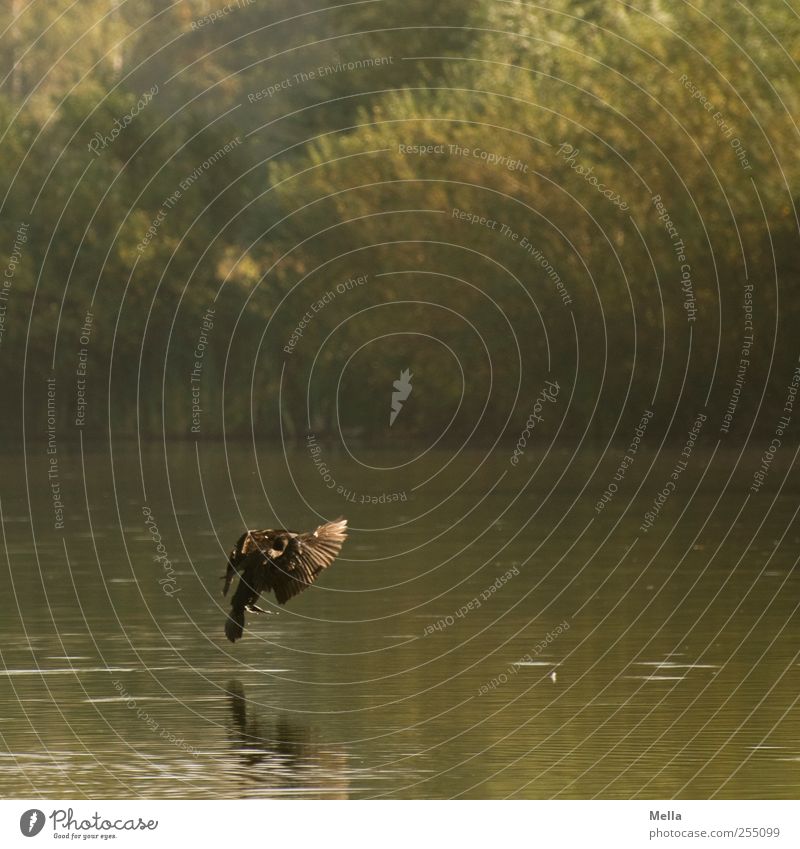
598,660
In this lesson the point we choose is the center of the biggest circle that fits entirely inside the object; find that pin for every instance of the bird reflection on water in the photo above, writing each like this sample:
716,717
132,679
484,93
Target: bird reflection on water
281,757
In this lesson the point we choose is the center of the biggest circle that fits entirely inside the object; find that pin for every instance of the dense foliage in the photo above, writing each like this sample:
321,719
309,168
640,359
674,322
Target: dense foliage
266,152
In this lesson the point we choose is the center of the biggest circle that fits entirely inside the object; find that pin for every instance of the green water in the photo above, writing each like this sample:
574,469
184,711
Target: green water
676,673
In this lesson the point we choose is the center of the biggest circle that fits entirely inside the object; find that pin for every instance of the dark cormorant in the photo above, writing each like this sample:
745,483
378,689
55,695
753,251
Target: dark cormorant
279,560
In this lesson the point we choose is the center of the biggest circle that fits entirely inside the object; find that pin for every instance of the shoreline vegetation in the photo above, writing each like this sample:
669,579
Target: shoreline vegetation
183,227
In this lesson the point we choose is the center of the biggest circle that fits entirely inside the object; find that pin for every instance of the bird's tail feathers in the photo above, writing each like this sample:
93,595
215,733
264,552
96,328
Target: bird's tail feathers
234,625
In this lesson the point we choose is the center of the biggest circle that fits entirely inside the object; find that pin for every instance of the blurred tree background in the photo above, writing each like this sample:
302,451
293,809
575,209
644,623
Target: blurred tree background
320,105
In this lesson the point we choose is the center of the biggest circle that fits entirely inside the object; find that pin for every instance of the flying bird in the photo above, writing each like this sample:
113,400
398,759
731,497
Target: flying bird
280,561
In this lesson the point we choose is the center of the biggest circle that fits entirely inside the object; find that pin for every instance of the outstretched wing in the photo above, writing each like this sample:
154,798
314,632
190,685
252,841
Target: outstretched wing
305,557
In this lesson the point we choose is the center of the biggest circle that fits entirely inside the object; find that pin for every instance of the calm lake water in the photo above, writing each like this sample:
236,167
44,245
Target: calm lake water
675,651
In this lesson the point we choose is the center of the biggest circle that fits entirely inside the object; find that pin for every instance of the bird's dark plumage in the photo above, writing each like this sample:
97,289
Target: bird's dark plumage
282,561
